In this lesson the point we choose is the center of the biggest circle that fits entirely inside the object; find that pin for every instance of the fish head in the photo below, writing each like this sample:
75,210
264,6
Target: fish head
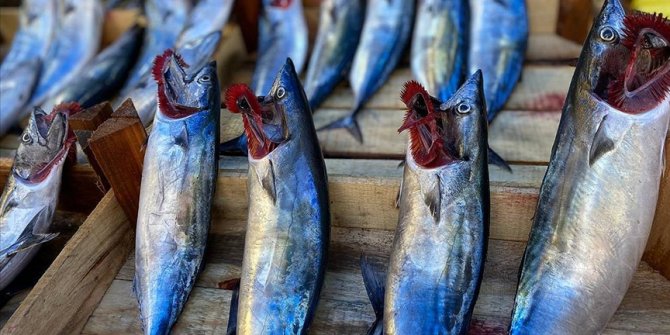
643,82
424,126
44,142
180,94
269,120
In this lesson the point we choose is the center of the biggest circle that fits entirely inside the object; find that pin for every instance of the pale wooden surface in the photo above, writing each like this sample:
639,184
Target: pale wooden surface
73,285
658,246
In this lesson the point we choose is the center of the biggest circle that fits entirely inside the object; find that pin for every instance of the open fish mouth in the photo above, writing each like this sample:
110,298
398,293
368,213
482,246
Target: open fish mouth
173,98
643,78
426,127
264,120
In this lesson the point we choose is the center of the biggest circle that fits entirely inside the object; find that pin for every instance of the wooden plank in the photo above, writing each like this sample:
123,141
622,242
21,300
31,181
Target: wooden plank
658,246
542,87
72,287
344,306
83,125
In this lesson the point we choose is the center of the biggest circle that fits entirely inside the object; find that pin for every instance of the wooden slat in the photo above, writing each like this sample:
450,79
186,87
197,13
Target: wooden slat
542,87
74,284
658,246
344,306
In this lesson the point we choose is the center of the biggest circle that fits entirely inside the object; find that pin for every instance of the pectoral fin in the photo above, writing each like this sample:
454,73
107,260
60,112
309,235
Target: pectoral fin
432,198
28,239
602,143
267,180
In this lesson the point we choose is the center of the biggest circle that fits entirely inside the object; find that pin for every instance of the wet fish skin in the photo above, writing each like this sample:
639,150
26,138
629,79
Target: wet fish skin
340,26
596,203
30,195
437,261
282,34
76,41
386,32
289,223
440,45
16,86
165,21
498,42
105,75
37,20
178,185
206,17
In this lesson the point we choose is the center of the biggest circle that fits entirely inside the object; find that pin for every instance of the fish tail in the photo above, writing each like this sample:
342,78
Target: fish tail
498,161
236,145
374,278
232,285
349,123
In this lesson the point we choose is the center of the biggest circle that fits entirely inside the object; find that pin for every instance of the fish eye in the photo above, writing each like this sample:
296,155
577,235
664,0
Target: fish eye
607,34
26,138
205,79
463,108
281,92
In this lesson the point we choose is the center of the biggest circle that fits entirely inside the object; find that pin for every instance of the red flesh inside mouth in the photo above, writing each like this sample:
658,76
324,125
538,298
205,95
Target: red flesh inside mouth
281,3
424,125
166,93
241,99
644,82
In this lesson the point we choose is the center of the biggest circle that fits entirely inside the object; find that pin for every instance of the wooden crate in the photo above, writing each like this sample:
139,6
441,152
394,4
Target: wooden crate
89,283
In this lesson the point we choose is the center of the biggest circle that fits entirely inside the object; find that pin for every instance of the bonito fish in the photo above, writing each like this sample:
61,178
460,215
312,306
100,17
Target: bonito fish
76,41
29,199
206,17
598,197
440,45
386,31
288,228
178,183
498,41
439,250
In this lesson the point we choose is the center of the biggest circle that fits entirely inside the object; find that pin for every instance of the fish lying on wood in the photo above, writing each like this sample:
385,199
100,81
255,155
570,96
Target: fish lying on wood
20,69
386,31
165,21
340,26
440,45
599,194
76,41
105,75
498,41
178,183
438,254
30,196
288,228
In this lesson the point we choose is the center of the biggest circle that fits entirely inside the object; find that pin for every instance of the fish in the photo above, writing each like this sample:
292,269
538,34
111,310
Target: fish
498,42
599,194
340,26
196,53
165,21
288,229
206,17
440,46
437,260
76,40
177,190
30,195
282,34
20,69
105,75
386,32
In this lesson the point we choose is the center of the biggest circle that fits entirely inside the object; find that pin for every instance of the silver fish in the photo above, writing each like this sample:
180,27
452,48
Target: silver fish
16,86
599,195
29,199
206,17
178,183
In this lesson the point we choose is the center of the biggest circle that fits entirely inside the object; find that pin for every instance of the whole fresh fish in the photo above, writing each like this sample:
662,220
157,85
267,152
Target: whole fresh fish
165,21
386,31
498,40
289,217
206,17
76,41
105,75
29,199
196,53
178,183
439,249
282,34
599,195
21,66
340,26
440,45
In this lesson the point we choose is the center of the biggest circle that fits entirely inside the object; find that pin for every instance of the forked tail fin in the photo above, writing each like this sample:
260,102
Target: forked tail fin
374,278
